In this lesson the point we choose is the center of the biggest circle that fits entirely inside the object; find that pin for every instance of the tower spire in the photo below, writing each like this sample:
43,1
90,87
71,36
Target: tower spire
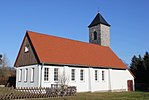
98,20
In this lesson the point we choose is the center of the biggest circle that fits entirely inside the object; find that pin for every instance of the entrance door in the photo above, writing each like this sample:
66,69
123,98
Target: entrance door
130,85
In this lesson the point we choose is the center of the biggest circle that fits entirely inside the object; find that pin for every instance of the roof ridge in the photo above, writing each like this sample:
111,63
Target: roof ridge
66,38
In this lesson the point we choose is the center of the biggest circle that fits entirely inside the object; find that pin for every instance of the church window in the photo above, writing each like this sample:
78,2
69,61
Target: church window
20,75
81,75
32,74
95,35
55,74
25,75
96,75
103,75
73,74
46,74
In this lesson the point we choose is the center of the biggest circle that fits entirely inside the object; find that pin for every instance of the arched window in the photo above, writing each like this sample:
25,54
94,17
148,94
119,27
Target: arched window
95,35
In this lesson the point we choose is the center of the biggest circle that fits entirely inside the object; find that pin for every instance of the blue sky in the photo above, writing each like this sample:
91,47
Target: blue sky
129,20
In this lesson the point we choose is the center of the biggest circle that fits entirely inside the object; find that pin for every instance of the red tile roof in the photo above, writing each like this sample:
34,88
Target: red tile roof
56,50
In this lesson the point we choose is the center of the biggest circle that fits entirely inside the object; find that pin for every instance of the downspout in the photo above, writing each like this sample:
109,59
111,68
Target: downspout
42,64
90,87
109,75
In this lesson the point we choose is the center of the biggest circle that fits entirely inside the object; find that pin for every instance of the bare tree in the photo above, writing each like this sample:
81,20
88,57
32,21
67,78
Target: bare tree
5,70
1,59
5,61
4,65
63,80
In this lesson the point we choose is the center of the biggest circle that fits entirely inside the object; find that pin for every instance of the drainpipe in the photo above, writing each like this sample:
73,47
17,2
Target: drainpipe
109,75
42,64
90,87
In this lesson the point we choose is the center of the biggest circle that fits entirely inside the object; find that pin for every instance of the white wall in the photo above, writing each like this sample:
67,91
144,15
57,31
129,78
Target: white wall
81,85
119,79
28,83
51,75
114,79
99,84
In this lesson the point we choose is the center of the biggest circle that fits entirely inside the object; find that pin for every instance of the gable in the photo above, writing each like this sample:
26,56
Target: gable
27,54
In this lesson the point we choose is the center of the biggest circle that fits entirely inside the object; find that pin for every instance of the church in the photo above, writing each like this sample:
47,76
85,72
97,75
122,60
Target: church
50,61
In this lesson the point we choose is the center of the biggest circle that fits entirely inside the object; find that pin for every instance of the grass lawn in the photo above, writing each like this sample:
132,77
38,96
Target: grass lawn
105,96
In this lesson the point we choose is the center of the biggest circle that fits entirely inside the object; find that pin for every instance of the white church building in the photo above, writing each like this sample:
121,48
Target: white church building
44,60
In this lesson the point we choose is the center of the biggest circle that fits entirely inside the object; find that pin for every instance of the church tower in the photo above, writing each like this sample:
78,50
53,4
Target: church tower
99,31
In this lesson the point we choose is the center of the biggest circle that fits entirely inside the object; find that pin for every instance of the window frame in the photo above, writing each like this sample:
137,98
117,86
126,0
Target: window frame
32,75
96,75
103,75
46,74
56,74
20,75
25,75
81,75
73,74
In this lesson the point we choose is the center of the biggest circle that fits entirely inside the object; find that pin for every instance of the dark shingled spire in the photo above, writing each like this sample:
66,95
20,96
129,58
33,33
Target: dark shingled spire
98,20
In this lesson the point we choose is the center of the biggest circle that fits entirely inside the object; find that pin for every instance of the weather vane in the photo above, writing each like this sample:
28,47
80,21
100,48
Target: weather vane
98,10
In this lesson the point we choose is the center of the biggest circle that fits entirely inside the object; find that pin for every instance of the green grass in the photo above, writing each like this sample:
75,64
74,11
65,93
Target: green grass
104,96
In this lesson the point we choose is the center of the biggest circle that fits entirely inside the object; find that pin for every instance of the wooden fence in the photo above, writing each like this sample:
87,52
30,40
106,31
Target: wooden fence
24,93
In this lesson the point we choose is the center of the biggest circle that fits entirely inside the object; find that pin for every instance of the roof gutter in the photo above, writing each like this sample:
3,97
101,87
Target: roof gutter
42,64
87,66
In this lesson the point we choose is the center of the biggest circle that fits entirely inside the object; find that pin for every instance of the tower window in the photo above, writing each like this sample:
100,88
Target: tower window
95,35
